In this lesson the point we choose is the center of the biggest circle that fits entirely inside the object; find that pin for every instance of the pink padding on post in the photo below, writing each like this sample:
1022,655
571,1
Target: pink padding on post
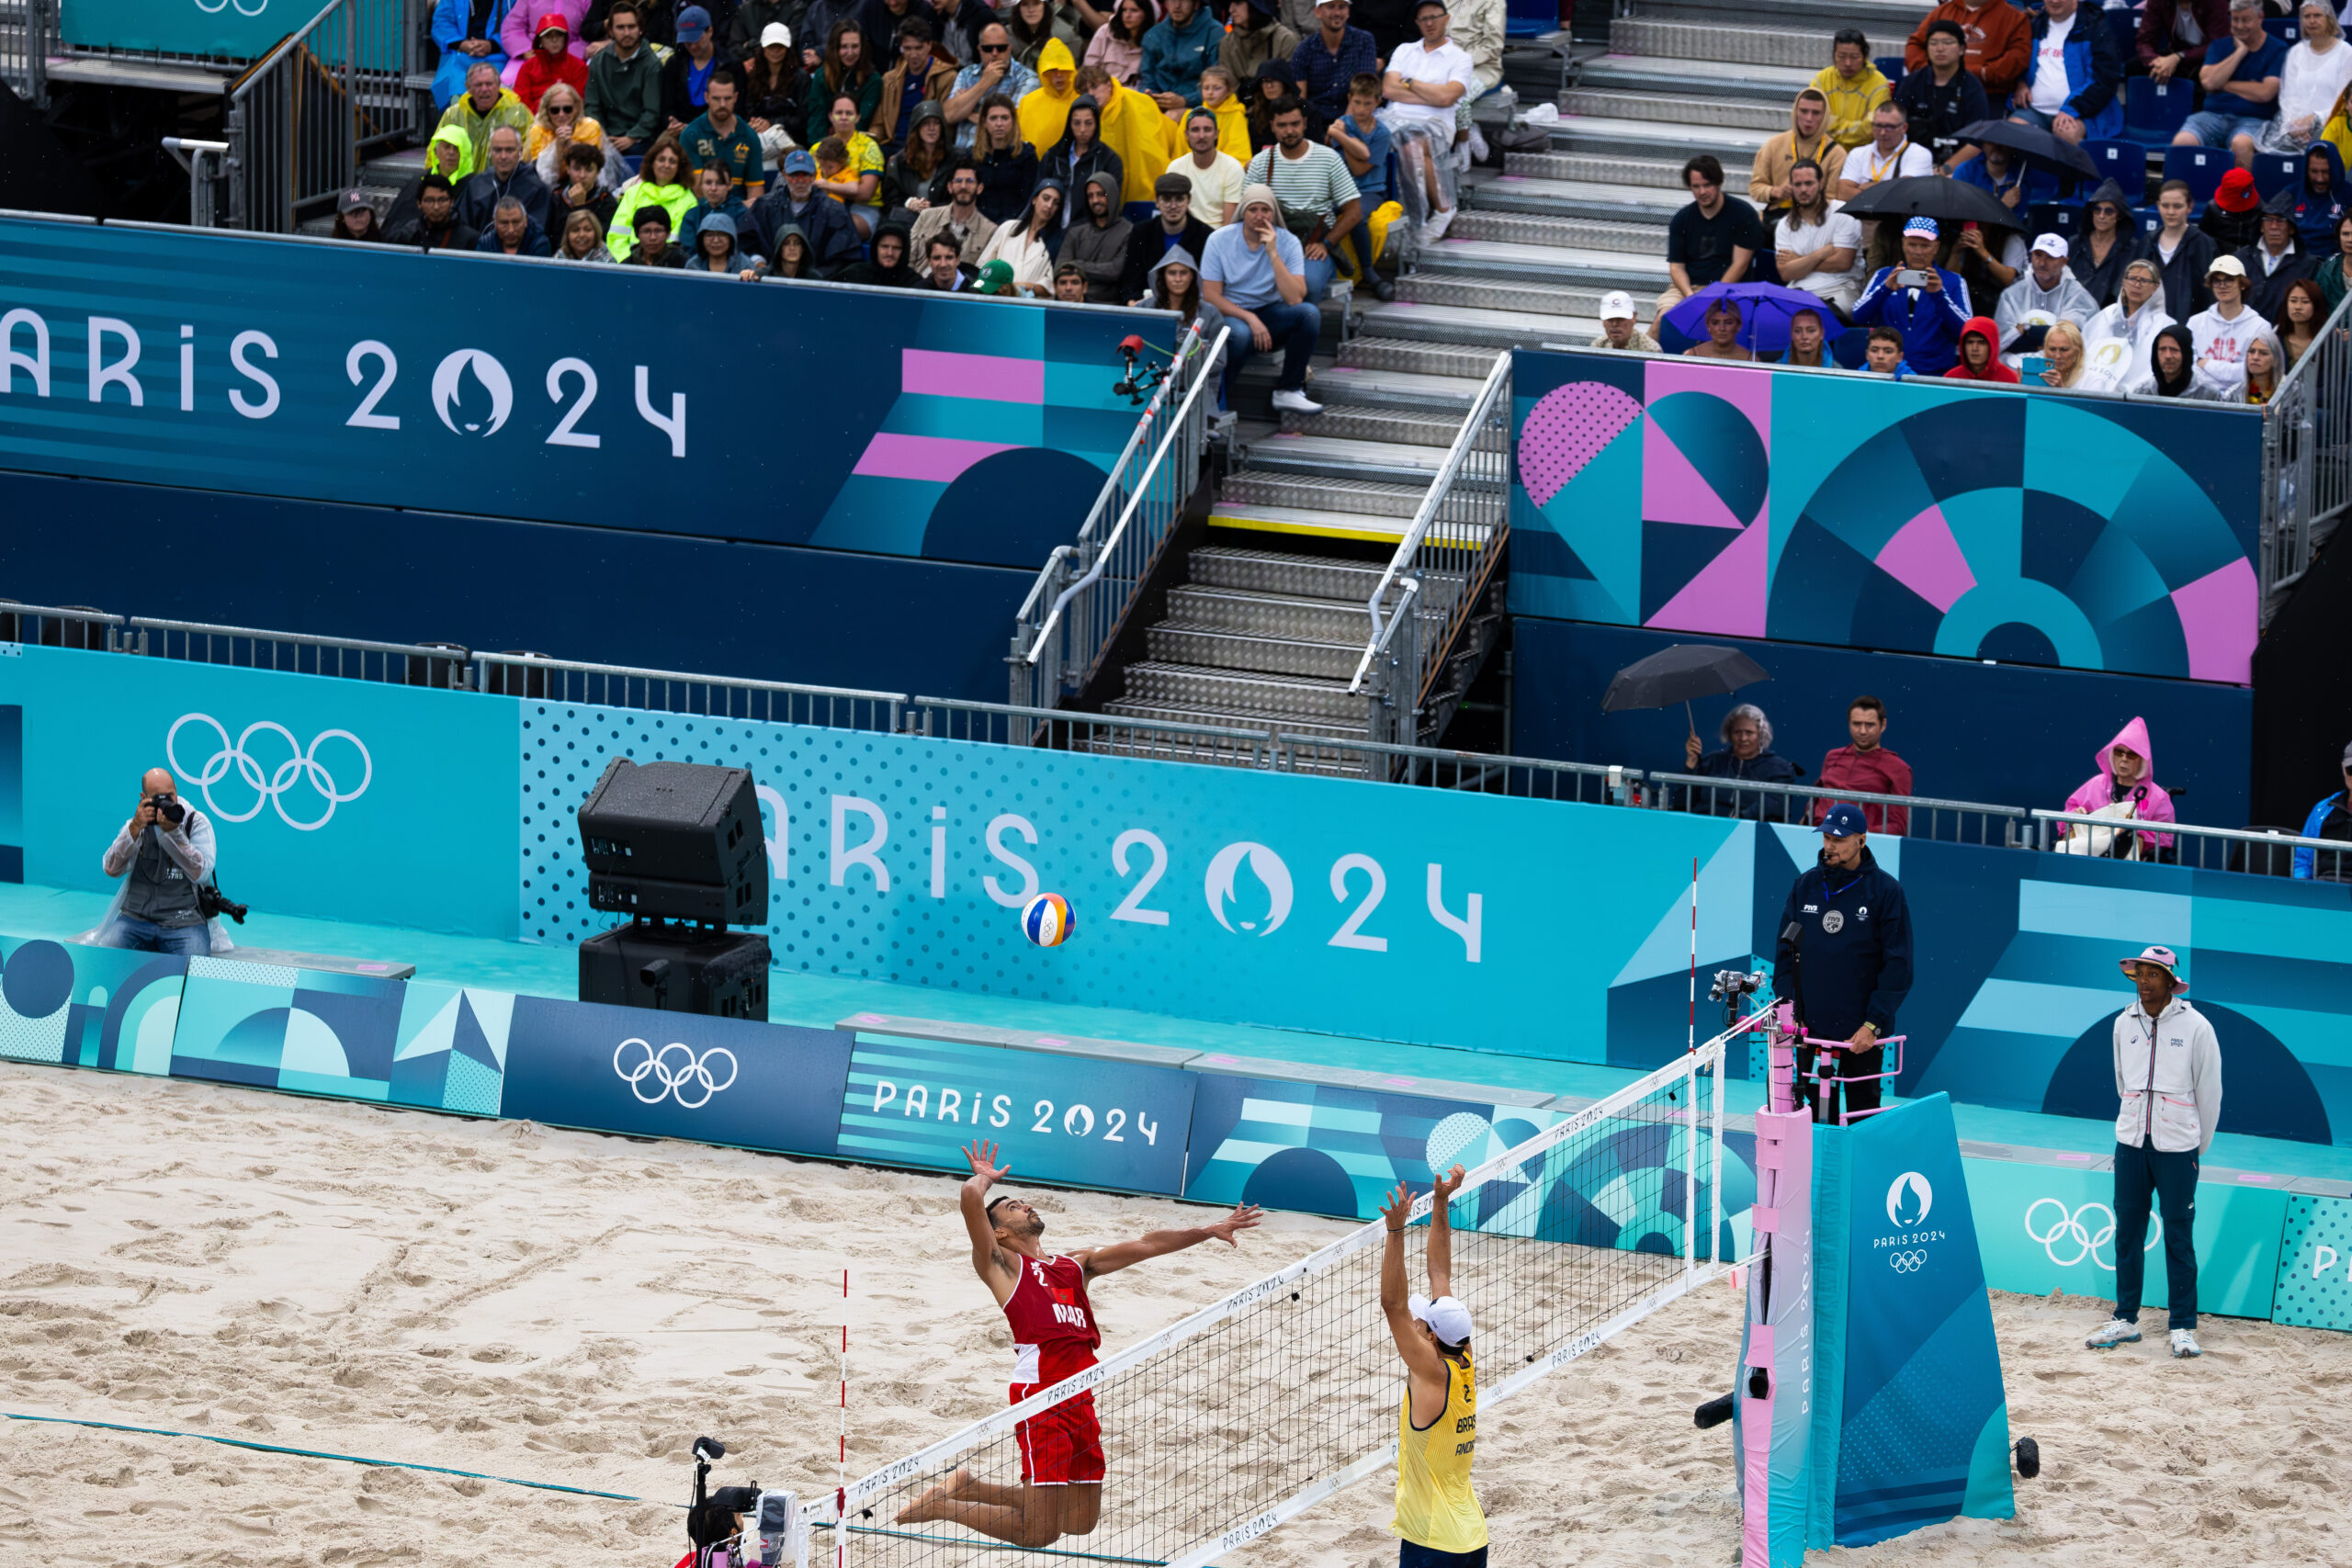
1756,1467
1767,1219
992,377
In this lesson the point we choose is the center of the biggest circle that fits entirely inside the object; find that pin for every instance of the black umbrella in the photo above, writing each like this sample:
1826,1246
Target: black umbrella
1680,673
1933,196
2036,146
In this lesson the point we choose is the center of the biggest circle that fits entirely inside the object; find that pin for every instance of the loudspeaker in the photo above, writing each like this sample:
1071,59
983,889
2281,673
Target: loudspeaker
677,969
679,840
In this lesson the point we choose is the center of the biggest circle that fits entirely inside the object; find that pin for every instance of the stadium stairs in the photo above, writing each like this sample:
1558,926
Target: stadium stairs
1267,628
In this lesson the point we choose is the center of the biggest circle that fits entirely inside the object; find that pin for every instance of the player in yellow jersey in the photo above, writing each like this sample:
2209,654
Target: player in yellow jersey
1438,1523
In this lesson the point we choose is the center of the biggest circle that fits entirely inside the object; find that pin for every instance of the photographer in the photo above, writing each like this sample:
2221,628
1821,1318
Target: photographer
164,854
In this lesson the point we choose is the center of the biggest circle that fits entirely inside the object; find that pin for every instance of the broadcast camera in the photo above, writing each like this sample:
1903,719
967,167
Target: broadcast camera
714,1518
1141,380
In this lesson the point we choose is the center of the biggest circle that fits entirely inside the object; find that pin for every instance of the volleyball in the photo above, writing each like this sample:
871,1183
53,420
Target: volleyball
1046,919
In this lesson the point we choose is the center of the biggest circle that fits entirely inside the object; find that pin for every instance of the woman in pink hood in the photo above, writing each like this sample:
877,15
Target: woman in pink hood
2126,772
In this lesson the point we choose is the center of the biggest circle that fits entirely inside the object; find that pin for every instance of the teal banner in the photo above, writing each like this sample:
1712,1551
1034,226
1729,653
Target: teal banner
2316,1263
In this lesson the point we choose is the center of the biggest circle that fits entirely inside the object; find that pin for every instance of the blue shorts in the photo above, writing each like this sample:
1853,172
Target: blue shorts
2214,128
1413,1554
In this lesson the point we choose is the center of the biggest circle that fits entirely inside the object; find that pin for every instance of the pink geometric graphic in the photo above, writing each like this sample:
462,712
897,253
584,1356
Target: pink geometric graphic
1672,491
1749,390
1727,596
941,459
991,377
1568,427
1926,558
2218,613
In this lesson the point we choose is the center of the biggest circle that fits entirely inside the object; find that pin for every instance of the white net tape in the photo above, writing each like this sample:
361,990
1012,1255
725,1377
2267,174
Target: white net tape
1220,1426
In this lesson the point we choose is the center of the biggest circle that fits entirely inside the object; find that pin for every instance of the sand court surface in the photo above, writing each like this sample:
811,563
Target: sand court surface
574,1309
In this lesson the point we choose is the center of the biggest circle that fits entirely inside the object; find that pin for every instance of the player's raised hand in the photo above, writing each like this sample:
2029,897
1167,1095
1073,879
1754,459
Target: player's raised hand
1447,1186
983,1160
1245,1216
1397,1207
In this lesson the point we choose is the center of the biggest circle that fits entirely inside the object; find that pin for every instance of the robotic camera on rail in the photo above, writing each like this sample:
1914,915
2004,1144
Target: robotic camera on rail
715,1522
1143,377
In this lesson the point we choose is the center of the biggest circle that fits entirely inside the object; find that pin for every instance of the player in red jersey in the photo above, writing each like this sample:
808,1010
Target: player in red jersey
1053,1337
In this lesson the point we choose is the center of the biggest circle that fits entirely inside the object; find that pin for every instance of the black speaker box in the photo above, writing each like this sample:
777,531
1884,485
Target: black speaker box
677,969
679,840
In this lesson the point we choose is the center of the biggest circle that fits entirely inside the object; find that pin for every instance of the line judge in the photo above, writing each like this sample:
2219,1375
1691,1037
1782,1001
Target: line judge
1438,1522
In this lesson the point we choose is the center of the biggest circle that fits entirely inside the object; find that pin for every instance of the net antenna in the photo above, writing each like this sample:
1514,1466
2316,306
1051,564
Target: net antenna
1222,1426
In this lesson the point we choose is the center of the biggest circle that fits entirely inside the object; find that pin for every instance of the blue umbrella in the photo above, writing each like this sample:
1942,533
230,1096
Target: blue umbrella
1764,312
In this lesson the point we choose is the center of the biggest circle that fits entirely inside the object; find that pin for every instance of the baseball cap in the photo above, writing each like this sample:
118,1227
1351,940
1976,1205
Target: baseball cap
2227,266
1171,185
775,32
1922,225
352,201
2162,958
1447,1317
2347,754
2236,192
798,162
1843,820
2050,246
1426,5
1618,306
692,22
993,276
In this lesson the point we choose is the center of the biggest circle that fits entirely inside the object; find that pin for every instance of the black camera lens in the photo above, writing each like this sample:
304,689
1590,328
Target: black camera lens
169,809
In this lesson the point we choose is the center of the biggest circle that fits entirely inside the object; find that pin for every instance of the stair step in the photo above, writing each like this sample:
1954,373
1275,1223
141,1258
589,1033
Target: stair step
1213,647
1516,210
1497,328
1712,80
1255,488
1878,18
1347,459
1405,427
1289,576
1595,269
1242,693
1186,712
1648,174
1646,137
1601,202
1562,307
1662,39
1267,615
393,169
1372,352
1672,113
1396,389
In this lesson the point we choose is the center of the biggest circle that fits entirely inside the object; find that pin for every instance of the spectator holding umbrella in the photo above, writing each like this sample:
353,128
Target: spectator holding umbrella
1923,301
1746,756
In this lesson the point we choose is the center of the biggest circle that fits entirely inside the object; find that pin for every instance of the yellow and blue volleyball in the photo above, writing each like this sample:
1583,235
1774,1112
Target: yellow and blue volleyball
1046,919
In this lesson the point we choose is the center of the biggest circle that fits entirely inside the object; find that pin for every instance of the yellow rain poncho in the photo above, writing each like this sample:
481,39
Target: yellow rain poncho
1046,112
1145,140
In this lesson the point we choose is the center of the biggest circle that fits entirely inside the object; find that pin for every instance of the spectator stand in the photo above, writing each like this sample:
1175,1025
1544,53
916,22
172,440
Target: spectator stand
2153,111
2202,168
1947,821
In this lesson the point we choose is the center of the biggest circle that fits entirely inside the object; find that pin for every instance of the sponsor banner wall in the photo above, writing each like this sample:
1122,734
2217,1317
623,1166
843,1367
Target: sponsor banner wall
954,428
1056,1118
2316,1263
1915,516
87,1007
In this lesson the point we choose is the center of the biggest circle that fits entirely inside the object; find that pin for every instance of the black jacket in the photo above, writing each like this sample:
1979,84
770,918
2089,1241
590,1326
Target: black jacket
2266,297
2103,281
1145,249
456,237
1937,112
833,238
479,196
1850,963
2184,276
1006,180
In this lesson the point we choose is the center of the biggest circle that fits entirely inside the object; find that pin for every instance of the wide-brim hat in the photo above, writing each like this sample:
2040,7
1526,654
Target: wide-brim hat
2162,958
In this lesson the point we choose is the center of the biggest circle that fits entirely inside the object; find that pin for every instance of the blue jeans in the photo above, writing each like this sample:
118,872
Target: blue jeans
2216,128
2172,1179
184,942
1294,328
1319,275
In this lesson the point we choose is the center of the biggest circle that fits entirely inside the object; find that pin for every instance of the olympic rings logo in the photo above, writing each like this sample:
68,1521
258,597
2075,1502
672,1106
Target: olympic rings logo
2072,1230
1907,1262
673,1077
302,765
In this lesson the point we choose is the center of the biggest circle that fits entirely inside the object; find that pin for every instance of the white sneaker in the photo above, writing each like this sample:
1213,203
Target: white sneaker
1477,144
1434,228
2184,1343
1287,402
2113,1332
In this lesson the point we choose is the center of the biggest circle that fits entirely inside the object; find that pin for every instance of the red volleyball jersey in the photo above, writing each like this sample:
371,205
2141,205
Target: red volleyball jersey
1052,1323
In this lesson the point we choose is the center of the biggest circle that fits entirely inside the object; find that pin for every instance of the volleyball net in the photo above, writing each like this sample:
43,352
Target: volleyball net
1222,1426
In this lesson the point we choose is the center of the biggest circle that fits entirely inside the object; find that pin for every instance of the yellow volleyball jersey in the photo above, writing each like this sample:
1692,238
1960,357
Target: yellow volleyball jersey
1435,1507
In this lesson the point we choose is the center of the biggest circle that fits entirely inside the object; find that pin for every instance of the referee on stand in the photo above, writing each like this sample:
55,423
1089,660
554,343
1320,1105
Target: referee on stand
1844,956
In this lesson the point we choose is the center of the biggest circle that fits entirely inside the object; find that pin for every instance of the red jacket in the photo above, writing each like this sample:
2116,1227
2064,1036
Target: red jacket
1877,772
2000,43
536,75
1982,326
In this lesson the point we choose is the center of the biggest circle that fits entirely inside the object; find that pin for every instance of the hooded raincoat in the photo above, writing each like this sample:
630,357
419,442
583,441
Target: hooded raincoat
874,274
2191,383
1045,114
402,212
1784,151
2149,801
676,201
2318,208
1146,140
2025,304
2102,280
737,260
536,73
2117,346
475,125
1995,371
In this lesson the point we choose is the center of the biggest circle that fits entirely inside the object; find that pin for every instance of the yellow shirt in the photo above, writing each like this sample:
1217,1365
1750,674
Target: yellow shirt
864,158
1851,103
1435,1507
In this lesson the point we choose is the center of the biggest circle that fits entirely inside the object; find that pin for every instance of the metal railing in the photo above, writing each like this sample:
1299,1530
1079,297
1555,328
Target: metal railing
539,678
1068,729
2264,853
1081,598
27,37
60,626
300,117
2307,456
246,647
1439,573
1947,821
205,161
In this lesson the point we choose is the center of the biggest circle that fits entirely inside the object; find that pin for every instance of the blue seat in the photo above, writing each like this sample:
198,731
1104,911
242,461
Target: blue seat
2202,167
2125,26
2042,185
1851,348
2054,217
2125,162
1889,66
2286,30
2275,172
2151,221
2153,111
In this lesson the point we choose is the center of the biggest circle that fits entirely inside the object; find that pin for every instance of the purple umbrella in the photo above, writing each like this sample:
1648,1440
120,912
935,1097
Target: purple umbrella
1765,309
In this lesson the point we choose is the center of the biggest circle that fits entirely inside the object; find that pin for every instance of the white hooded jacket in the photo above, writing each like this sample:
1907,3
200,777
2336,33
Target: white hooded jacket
2168,1077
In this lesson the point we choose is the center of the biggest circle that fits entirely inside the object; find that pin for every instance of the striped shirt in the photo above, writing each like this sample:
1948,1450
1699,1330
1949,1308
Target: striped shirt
1310,188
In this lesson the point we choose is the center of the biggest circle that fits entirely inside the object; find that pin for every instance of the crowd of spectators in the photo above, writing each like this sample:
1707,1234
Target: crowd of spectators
1039,149
2212,302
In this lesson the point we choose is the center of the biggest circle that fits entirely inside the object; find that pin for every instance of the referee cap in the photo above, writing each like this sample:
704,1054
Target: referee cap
1447,1318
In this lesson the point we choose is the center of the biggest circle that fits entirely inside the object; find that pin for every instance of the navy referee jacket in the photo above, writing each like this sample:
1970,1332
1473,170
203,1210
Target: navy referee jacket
1856,957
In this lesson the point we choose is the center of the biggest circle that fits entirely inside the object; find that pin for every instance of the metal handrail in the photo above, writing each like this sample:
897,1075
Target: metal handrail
1136,492
2306,455
144,624
1186,345
680,691
2336,849
684,677
59,612
1401,560
2016,820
